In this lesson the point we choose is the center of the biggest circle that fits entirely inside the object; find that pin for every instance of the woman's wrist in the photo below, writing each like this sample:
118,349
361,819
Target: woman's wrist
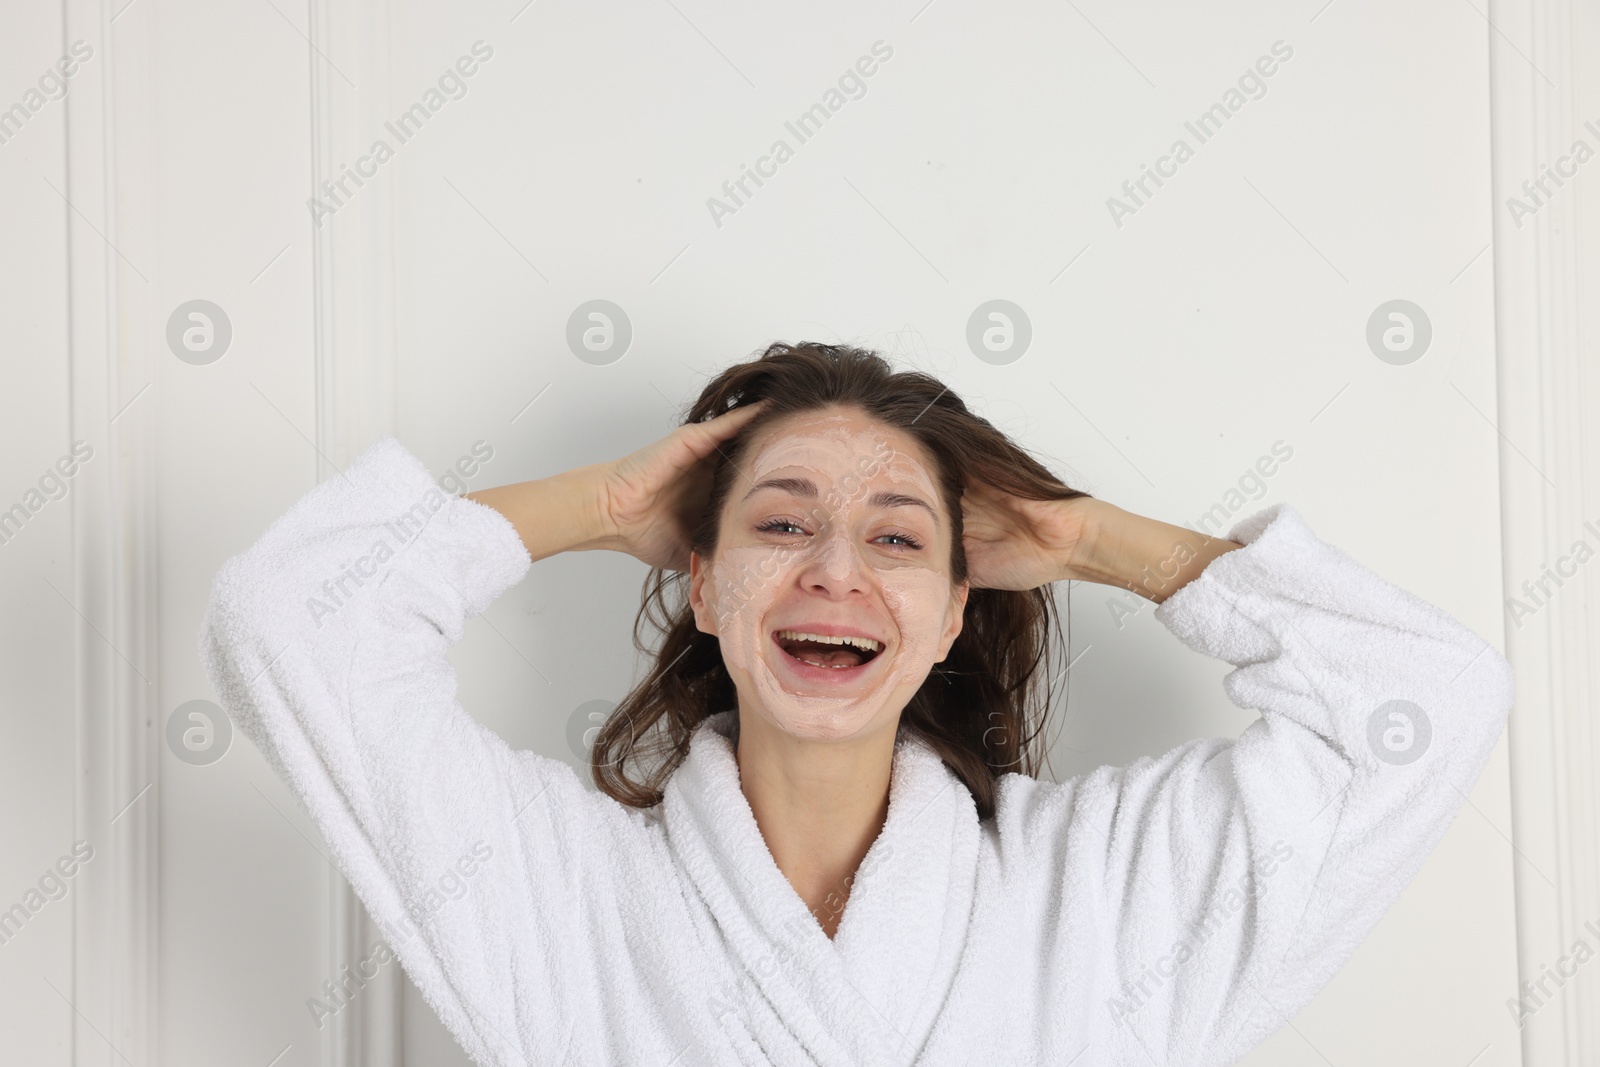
1149,557
563,513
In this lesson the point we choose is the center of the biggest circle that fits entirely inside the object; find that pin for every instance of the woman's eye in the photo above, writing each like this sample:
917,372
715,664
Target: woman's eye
786,527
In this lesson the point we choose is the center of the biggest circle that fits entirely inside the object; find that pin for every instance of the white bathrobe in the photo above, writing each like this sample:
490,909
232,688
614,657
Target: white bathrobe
1176,910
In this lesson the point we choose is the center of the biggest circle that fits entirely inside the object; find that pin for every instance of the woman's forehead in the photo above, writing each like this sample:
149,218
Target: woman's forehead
837,443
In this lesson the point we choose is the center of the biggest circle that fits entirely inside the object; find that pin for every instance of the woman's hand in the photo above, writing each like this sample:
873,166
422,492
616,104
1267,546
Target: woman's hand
650,501
646,504
1012,543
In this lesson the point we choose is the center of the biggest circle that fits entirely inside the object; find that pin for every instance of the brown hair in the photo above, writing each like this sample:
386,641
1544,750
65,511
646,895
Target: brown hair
983,709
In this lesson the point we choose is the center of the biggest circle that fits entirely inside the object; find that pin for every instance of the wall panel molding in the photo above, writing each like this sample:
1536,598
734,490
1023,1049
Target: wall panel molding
353,312
114,548
1549,420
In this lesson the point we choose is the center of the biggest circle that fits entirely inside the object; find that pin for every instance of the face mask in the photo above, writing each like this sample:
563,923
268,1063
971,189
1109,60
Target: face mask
837,560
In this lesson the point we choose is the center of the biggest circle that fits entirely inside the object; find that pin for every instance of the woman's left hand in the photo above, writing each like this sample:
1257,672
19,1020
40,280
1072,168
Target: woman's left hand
1012,543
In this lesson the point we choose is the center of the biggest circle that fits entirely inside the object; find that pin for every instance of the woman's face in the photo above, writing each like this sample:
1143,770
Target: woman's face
830,589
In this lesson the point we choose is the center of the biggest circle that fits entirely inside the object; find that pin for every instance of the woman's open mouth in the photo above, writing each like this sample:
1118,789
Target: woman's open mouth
836,653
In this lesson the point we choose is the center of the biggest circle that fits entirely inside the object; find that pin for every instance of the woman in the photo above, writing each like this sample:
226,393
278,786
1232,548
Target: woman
819,840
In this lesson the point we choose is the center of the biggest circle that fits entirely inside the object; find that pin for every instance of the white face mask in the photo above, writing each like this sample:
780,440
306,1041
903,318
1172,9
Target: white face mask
821,539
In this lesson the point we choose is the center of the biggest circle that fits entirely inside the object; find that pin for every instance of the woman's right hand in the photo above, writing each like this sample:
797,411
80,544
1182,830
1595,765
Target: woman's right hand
652,500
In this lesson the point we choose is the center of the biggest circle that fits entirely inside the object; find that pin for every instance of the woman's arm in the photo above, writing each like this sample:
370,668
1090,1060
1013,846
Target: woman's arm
1013,543
646,504
552,515
489,870
527,908
1235,878
1150,557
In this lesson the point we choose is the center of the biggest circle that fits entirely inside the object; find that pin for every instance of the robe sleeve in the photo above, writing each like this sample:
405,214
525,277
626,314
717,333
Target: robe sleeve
492,872
1233,879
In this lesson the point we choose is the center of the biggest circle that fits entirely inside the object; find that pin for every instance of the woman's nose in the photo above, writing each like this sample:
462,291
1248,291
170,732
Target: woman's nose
835,566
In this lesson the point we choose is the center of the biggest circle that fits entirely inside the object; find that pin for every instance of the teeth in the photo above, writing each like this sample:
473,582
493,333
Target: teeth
865,643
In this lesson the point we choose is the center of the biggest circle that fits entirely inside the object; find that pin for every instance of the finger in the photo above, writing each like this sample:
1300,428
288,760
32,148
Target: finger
729,423
703,438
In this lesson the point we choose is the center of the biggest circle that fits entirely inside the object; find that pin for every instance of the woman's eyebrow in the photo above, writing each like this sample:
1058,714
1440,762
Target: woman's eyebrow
807,488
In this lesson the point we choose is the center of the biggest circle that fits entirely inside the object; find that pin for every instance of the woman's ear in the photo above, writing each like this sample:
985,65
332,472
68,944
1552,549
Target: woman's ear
704,617
956,615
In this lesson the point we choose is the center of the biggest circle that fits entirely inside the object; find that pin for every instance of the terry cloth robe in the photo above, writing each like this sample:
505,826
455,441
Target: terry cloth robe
1173,911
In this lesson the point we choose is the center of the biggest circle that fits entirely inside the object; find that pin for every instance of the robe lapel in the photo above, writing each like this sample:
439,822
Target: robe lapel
872,994
905,925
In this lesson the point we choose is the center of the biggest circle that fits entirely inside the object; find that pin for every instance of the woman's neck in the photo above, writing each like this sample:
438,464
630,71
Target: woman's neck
819,806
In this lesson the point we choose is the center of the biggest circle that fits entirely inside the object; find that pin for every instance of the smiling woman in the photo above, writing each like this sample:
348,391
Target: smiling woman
837,510
819,838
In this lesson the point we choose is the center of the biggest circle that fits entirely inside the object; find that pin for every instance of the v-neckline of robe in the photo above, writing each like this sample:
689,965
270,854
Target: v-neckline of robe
873,992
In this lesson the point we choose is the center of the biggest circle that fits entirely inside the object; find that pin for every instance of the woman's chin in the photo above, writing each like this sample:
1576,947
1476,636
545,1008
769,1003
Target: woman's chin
809,715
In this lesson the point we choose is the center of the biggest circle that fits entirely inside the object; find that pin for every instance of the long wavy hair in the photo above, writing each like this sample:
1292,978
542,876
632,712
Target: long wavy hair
983,709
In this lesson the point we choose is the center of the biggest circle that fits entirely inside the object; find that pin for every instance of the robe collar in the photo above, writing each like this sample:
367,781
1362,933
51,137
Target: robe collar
873,993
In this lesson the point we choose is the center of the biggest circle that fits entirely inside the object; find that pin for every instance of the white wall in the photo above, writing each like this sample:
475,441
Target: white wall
1169,354
38,596
1226,315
